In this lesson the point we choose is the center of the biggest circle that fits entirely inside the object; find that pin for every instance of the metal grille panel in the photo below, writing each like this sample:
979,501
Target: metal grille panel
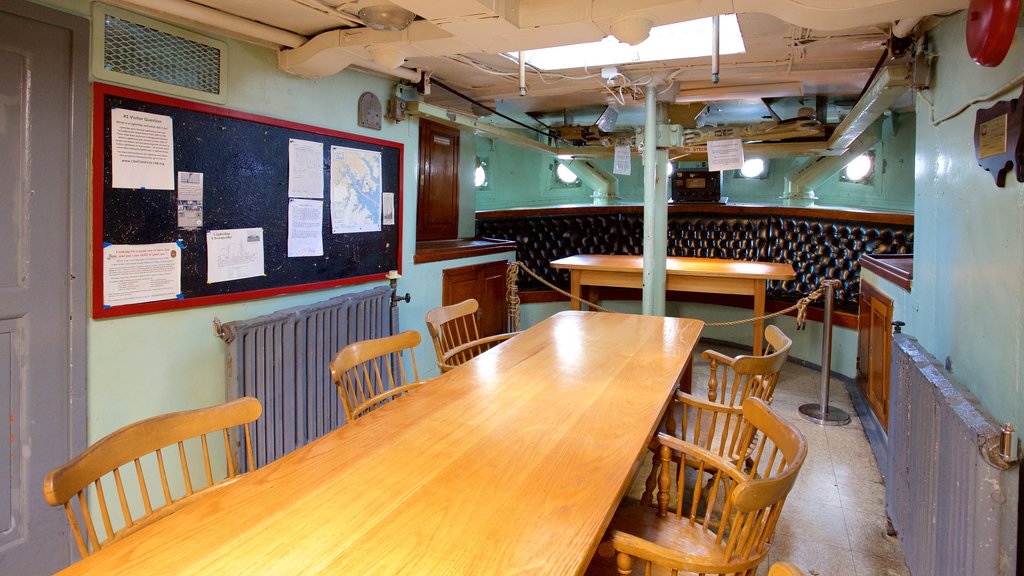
950,499
137,50
283,360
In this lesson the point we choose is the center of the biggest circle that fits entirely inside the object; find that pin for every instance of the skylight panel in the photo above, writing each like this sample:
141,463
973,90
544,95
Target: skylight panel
690,39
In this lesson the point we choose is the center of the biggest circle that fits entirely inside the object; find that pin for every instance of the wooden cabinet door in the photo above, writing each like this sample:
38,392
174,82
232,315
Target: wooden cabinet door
437,206
874,341
484,282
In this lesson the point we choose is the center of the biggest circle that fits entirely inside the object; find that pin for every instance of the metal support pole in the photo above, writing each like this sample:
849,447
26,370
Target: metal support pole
822,413
655,213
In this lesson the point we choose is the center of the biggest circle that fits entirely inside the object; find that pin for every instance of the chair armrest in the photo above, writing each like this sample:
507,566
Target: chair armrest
487,340
690,400
712,354
706,456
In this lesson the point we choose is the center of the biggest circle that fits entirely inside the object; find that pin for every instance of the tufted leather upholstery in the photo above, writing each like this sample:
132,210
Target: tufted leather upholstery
818,248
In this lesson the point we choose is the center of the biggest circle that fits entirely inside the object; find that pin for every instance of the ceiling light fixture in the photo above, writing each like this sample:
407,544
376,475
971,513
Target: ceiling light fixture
385,16
387,55
632,30
747,92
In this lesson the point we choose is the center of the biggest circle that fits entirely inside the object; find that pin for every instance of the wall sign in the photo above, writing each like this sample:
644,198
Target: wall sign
998,141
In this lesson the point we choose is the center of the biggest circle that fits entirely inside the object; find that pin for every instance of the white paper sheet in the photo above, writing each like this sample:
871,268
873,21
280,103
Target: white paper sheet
305,169
388,208
305,227
725,155
142,150
355,190
134,273
234,254
190,200
623,163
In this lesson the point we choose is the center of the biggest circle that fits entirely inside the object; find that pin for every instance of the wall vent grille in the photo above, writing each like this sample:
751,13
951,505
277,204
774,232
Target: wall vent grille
139,51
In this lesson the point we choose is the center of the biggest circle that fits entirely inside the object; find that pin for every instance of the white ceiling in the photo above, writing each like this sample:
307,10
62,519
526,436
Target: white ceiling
830,46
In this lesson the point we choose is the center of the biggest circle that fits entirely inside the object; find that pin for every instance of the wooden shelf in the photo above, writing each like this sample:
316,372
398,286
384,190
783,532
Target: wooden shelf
896,268
438,250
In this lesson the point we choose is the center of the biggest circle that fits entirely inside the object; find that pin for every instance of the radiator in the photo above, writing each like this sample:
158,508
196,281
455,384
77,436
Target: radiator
951,496
282,359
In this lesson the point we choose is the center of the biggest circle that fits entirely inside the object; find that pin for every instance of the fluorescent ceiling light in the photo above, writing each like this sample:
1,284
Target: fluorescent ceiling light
746,92
690,39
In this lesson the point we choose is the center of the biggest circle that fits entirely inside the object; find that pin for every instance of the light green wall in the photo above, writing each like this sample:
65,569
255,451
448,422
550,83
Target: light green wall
967,301
148,364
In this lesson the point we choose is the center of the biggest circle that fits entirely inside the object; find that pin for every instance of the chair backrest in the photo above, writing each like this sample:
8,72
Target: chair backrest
370,373
456,337
741,502
146,440
734,379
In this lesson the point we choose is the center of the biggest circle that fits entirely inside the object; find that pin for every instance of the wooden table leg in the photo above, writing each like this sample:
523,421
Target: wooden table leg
575,289
759,294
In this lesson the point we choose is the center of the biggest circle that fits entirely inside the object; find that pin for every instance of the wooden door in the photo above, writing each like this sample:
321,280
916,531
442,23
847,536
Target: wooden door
437,206
43,151
484,282
874,341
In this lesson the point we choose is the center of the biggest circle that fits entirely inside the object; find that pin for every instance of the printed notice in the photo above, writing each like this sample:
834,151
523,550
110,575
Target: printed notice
234,254
725,155
623,164
355,190
305,169
388,208
134,273
142,150
190,200
305,227
992,137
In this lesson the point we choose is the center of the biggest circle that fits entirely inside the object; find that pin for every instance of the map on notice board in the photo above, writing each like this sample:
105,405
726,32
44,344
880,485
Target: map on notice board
355,190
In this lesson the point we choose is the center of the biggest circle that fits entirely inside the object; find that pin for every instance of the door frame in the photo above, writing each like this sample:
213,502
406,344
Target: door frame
77,217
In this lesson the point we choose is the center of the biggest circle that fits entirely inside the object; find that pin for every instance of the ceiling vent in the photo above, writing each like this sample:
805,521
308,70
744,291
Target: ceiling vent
138,51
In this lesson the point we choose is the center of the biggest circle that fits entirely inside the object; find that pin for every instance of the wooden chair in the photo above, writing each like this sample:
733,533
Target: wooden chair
723,526
370,373
731,381
784,569
456,337
146,440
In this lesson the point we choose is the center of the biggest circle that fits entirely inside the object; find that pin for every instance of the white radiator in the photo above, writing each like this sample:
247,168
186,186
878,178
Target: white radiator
282,359
951,496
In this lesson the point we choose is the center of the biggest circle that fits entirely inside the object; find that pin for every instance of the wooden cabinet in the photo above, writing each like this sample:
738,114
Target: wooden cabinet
873,348
484,282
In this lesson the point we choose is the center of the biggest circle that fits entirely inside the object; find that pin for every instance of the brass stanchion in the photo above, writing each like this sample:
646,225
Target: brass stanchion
822,413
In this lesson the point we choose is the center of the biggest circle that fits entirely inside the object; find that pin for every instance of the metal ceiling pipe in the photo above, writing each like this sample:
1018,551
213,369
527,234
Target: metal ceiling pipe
522,75
206,18
715,29
605,185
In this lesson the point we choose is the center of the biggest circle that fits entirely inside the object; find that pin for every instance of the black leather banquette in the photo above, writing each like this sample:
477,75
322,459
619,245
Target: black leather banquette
819,243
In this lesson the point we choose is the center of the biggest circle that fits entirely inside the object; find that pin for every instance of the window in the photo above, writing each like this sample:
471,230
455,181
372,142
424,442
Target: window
564,177
754,168
480,176
860,170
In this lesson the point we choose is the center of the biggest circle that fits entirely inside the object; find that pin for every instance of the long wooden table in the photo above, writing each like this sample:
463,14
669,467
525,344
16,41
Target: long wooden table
510,464
711,275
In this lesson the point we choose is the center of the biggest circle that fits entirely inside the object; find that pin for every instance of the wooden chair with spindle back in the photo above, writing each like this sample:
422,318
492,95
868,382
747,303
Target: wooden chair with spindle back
724,526
731,381
109,459
370,373
784,569
456,337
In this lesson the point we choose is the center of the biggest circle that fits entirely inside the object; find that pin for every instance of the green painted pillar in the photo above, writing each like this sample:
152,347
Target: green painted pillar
655,211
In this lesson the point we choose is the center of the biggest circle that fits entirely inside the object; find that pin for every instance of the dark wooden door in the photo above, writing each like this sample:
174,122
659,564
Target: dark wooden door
437,206
484,282
43,148
874,341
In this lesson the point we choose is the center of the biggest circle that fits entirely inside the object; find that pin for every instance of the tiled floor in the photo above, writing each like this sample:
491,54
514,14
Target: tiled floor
833,523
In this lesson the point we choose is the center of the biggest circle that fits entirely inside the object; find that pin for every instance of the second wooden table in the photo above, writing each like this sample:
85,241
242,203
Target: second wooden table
711,275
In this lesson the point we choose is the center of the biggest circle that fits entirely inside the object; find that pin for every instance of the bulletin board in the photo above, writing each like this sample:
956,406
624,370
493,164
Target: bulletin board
243,161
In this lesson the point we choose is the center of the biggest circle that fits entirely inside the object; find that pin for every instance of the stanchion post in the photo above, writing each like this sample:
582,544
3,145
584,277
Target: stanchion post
822,413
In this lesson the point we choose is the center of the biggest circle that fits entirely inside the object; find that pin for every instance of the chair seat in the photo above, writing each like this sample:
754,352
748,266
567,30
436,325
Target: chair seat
671,533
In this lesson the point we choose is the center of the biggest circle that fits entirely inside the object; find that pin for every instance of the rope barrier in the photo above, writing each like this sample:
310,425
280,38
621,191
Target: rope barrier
512,289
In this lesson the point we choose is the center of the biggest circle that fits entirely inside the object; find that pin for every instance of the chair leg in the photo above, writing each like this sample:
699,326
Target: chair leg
624,562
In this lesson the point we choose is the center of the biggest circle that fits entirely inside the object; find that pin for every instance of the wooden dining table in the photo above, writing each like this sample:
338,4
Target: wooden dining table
683,274
512,463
